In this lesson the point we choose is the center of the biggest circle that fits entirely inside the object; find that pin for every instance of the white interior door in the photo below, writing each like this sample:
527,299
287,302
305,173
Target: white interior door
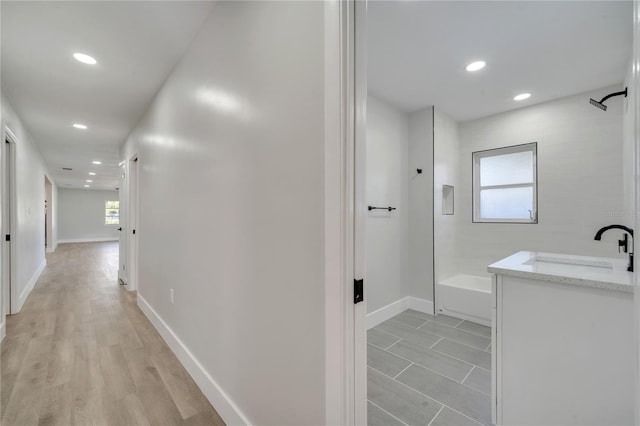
132,221
122,227
8,236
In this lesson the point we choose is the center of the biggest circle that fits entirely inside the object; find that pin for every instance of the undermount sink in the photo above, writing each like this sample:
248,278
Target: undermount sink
570,261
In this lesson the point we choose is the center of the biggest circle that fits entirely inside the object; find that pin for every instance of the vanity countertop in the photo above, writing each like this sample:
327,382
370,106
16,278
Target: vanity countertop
585,271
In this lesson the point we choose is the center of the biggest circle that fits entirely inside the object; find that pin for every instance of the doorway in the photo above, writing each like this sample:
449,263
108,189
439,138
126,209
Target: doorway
442,106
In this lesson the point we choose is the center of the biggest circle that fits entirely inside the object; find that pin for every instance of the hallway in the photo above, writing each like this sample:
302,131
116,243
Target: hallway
82,353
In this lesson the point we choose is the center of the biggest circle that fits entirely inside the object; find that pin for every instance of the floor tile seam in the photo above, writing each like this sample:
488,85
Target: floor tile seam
379,407
423,366
461,331
459,359
471,332
465,344
431,397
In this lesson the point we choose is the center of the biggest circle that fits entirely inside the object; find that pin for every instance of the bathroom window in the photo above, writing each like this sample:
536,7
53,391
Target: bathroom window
505,185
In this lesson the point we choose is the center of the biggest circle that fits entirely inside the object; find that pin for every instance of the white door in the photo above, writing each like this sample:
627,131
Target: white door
122,252
9,293
132,220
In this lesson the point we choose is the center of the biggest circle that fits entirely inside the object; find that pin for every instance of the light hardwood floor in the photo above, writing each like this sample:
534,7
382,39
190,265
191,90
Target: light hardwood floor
82,353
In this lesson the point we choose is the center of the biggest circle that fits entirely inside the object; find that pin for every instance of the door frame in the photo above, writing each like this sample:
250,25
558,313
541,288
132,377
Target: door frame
8,195
132,222
345,336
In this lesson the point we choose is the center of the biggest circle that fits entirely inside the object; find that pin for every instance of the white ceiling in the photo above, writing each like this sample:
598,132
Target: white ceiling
418,50
136,44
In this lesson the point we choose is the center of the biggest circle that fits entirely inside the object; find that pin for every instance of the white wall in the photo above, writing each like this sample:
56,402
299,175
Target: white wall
387,180
421,204
232,151
82,215
28,238
445,172
580,185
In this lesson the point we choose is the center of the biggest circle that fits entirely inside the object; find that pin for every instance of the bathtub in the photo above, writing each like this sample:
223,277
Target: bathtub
466,297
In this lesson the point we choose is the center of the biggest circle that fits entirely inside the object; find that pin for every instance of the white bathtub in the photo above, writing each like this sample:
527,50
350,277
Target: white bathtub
466,297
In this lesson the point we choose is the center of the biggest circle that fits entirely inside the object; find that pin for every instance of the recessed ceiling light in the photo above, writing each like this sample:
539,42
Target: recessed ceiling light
475,66
522,96
88,181
87,186
85,59
97,162
92,173
79,126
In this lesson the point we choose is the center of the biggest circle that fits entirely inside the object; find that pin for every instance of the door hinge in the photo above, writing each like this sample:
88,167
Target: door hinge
358,291
7,237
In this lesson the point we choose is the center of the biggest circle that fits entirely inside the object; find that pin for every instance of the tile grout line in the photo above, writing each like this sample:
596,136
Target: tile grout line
421,366
437,414
393,343
464,415
439,340
467,376
458,359
373,403
472,332
403,370
460,331
430,397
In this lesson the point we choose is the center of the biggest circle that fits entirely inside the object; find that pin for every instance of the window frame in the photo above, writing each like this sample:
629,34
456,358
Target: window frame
105,212
476,188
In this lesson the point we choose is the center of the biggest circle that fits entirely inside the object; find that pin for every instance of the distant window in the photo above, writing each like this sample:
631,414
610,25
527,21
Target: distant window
112,213
505,185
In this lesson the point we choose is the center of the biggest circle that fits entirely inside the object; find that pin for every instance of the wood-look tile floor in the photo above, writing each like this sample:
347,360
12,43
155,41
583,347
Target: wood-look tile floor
426,370
82,353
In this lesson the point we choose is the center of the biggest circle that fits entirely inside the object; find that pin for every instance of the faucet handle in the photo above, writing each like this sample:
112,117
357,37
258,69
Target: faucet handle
624,243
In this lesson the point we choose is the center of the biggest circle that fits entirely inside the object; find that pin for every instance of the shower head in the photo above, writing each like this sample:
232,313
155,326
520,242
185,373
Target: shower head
598,104
601,104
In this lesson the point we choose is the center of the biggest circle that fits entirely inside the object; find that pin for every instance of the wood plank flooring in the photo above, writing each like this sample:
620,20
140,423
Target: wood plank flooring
82,353
426,370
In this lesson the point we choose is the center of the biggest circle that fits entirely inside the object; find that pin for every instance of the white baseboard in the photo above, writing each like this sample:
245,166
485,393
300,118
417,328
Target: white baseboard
22,297
223,404
392,309
3,330
51,249
87,240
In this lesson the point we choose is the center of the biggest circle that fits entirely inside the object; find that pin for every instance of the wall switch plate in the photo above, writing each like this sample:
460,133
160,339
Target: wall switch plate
171,295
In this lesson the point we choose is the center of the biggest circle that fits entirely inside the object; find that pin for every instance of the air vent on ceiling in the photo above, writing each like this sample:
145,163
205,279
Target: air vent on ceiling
67,168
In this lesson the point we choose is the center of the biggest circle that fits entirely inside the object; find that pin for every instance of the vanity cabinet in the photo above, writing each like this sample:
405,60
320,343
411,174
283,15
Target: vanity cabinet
563,341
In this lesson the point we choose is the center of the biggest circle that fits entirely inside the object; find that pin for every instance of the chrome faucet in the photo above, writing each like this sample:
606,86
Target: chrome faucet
623,243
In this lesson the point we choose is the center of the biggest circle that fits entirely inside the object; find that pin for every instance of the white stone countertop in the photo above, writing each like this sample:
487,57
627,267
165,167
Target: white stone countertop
585,271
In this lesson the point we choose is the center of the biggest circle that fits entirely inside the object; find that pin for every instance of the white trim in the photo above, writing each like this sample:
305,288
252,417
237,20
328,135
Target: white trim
86,240
30,285
392,309
3,330
51,249
338,297
223,404
356,173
